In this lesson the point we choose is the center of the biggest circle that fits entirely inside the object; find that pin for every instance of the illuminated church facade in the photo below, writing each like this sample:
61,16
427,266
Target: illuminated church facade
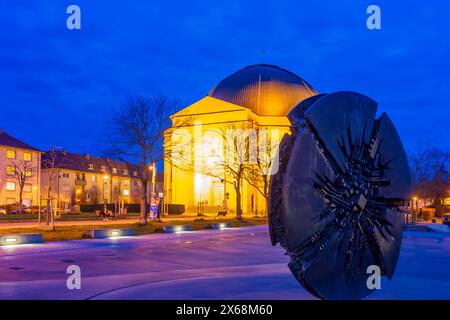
258,96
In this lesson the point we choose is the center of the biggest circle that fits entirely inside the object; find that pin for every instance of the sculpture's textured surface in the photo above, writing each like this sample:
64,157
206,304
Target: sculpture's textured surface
335,202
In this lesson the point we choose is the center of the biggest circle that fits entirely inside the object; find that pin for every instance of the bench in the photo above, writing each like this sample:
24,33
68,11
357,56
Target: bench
109,214
221,214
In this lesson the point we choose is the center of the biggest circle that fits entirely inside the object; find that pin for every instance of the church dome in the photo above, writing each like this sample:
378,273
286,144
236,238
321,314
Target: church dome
265,89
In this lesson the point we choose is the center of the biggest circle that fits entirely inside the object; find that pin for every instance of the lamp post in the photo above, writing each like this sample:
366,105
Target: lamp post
105,181
413,213
152,170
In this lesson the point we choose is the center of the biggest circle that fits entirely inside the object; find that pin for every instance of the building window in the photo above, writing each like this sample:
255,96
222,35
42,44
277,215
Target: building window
10,186
80,176
135,173
65,175
126,182
27,187
10,154
91,166
10,201
28,173
126,192
114,170
125,171
94,178
136,183
27,156
103,168
9,170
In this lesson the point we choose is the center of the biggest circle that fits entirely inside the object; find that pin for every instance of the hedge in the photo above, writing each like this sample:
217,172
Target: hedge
131,207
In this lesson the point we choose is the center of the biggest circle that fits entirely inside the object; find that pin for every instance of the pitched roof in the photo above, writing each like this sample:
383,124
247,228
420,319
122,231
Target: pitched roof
10,141
82,163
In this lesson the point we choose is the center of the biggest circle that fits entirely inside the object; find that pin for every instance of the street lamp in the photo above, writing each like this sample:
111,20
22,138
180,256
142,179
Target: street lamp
152,169
105,181
413,213
77,199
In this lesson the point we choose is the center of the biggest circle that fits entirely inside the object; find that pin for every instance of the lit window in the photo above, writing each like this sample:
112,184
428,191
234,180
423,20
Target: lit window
27,156
126,192
126,182
10,201
27,187
94,178
10,154
103,168
135,173
114,170
11,186
28,173
10,170
125,171
91,167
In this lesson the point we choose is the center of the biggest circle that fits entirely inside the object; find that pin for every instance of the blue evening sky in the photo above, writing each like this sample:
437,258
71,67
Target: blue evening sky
57,87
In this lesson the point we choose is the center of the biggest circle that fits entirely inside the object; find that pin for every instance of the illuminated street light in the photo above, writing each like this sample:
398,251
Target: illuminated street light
221,225
16,239
110,233
105,181
176,229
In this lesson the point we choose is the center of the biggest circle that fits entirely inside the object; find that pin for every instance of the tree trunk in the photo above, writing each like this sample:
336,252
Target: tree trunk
144,213
238,200
48,210
266,194
20,200
48,202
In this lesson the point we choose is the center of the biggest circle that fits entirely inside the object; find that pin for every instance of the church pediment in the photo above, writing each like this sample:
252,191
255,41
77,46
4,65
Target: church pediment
207,106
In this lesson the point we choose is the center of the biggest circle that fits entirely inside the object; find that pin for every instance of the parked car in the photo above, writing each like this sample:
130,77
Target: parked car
14,209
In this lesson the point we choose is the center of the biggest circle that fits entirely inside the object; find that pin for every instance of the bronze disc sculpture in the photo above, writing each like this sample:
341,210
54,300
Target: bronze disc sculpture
336,202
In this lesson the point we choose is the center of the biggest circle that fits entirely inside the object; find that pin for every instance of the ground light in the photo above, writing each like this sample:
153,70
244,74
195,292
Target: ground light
110,233
16,239
221,225
176,229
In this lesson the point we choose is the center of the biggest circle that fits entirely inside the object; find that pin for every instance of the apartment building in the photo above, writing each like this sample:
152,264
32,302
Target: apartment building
79,179
19,171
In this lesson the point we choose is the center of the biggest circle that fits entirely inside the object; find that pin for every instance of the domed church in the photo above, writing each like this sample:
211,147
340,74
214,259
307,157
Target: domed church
259,94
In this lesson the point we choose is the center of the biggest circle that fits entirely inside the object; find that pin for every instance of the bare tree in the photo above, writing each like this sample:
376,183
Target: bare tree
53,161
93,193
235,163
117,195
247,154
258,175
430,175
137,134
22,173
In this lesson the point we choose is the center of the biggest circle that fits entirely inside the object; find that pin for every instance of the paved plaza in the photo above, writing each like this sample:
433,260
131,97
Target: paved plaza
211,264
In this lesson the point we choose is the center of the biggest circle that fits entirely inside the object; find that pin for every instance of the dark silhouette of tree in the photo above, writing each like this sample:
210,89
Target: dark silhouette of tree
430,175
22,172
136,134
